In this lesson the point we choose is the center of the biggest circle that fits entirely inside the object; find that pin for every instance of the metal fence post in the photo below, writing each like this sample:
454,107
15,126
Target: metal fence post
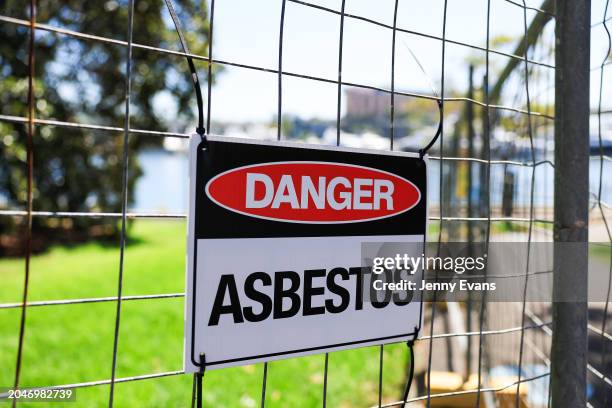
569,344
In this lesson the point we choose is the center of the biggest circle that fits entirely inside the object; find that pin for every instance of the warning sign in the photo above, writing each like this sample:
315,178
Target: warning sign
275,264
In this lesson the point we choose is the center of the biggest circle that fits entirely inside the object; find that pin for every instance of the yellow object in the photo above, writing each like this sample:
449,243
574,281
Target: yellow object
506,398
448,382
445,382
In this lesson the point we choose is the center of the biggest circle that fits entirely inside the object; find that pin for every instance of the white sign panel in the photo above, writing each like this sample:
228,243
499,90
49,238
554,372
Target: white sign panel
276,267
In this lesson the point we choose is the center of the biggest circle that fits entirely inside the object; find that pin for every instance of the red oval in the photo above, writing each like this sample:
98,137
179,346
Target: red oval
313,192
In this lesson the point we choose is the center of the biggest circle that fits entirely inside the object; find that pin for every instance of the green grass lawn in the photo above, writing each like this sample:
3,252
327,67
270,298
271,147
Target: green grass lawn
73,343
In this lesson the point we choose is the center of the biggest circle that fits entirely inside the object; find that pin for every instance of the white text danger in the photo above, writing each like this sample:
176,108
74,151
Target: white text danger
337,193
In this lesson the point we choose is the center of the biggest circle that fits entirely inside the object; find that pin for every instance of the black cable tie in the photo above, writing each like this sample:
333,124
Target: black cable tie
199,379
204,141
410,344
200,129
202,363
423,151
416,336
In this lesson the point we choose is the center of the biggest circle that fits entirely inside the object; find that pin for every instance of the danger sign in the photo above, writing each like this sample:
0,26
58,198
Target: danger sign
313,192
275,264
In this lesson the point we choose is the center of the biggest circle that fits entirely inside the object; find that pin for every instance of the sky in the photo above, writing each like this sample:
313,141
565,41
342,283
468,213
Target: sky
247,32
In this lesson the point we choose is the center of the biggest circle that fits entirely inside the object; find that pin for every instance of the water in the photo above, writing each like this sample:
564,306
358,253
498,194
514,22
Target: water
163,186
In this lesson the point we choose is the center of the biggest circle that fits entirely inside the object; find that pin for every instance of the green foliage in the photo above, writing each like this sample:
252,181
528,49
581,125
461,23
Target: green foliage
78,80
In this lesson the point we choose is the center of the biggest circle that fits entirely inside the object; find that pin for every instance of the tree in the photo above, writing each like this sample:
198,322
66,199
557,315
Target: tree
82,81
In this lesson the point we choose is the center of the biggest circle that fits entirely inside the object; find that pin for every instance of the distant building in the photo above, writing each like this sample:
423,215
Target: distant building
366,102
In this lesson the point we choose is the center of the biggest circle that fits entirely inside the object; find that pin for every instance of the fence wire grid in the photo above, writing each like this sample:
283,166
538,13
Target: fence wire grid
521,330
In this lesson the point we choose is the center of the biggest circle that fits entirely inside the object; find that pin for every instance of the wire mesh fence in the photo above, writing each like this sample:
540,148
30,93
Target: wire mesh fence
491,175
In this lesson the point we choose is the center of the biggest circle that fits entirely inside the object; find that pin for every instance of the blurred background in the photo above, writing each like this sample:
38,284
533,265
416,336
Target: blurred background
79,105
